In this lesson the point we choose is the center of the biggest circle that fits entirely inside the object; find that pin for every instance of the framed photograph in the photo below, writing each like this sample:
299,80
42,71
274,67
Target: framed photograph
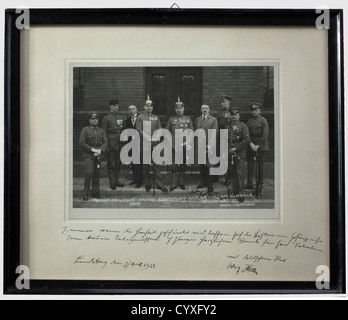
174,151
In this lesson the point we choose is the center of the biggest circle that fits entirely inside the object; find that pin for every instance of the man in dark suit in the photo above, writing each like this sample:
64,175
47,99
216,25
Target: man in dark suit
206,122
136,168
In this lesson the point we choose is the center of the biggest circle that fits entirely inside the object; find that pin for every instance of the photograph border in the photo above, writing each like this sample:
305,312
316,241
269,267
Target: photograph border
194,213
259,17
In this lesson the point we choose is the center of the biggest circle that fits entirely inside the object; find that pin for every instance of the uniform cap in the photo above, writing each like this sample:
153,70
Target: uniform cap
235,111
113,102
255,105
226,97
92,115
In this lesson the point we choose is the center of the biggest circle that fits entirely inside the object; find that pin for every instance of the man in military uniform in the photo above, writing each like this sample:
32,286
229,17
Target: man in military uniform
155,124
238,140
225,109
179,122
223,118
113,124
136,168
206,122
93,142
258,129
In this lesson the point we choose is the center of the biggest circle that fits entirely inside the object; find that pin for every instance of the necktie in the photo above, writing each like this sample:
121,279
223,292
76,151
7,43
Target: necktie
133,120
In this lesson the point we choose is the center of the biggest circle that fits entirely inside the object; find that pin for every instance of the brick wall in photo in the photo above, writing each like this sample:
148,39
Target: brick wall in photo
243,84
100,85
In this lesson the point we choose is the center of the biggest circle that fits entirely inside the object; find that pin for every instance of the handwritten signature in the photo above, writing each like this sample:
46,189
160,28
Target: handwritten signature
248,268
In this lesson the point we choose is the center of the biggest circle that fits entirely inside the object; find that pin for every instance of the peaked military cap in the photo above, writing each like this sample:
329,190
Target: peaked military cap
226,97
255,105
113,102
92,115
235,111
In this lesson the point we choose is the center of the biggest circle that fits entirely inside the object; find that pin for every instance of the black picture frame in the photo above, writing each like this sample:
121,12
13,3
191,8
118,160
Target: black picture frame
49,17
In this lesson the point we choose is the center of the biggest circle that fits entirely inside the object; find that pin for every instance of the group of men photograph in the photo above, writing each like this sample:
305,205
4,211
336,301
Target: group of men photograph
245,141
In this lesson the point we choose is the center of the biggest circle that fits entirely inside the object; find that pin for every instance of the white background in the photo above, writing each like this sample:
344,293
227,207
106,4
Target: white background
304,4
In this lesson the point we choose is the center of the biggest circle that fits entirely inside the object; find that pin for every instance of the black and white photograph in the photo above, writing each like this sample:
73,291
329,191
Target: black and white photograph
225,159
